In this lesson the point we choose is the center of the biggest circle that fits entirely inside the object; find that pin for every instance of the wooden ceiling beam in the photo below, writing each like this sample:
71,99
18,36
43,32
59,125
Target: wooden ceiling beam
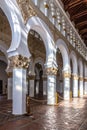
81,23
73,4
76,16
84,30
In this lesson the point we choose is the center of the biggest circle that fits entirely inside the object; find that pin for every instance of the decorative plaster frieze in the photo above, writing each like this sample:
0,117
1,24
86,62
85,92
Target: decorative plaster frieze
81,78
26,9
75,77
85,79
51,71
66,75
9,74
19,61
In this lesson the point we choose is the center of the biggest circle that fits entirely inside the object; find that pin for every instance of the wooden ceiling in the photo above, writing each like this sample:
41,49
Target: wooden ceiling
78,14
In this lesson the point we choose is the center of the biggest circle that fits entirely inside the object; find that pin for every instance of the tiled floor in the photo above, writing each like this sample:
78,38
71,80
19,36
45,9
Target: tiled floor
66,116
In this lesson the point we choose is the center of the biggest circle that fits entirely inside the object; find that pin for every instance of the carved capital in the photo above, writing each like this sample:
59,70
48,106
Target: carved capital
9,74
44,77
19,61
31,77
66,75
26,9
51,71
75,77
81,78
46,5
85,79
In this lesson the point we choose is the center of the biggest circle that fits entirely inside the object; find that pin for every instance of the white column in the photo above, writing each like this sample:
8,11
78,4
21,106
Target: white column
36,2
71,36
44,85
31,89
53,12
9,89
80,86
63,26
51,86
46,6
19,91
68,32
66,84
19,65
37,87
51,89
85,85
75,85
9,86
58,20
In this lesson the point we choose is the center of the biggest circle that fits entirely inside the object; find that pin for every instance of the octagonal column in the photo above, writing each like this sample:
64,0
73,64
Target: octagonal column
19,64
80,86
51,85
85,85
46,6
10,85
75,85
66,84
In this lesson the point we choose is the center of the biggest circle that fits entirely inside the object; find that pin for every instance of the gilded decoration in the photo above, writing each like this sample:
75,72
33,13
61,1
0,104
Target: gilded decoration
51,71
81,78
31,77
46,6
85,79
26,9
9,74
66,75
19,61
75,77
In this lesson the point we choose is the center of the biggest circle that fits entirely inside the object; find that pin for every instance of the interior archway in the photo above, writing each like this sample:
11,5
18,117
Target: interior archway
5,42
38,52
66,71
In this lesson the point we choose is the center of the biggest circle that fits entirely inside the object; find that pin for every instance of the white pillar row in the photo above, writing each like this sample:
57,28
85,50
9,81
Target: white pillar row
66,85
10,85
71,36
31,89
63,26
20,64
44,85
68,32
36,2
51,85
58,20
81,86
46,6
85,79
75,85
85,85
53,12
